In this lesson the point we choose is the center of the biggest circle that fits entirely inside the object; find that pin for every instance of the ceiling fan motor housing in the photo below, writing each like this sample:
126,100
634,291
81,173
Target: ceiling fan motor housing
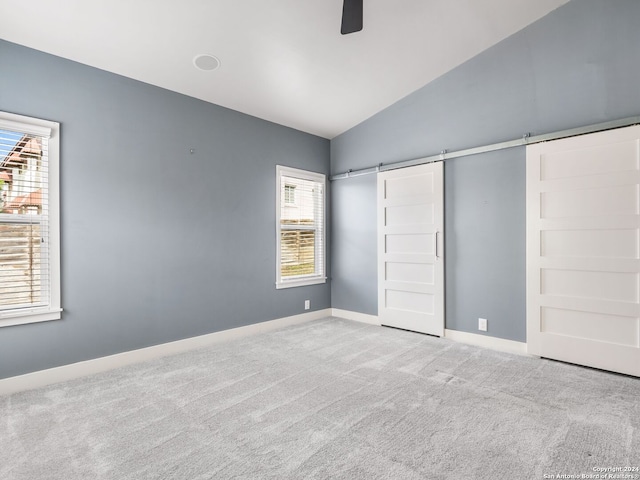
351,16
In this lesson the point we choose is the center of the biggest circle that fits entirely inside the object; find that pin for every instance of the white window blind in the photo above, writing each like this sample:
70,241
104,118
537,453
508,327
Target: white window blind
26,281
300,228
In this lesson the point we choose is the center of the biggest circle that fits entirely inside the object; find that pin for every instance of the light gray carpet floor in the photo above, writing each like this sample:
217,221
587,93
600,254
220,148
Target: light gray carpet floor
327,399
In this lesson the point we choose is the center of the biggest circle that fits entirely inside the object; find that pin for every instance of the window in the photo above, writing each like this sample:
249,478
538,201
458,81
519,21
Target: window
290,194
29,220
300,228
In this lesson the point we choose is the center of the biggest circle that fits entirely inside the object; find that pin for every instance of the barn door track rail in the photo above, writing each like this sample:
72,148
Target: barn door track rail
527,139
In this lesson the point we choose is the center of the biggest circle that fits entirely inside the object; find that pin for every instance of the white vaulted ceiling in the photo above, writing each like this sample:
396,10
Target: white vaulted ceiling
281,60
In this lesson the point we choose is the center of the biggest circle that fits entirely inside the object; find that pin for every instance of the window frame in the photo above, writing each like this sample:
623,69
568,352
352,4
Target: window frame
310,279
50,130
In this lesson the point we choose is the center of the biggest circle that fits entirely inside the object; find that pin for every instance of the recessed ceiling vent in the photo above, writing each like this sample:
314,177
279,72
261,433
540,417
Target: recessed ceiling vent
206,62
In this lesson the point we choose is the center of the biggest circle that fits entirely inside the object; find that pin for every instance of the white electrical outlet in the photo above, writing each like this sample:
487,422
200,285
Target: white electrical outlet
307,304
482,324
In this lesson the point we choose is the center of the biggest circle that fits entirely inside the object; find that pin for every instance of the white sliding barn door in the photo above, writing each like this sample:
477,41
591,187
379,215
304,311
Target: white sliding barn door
411,249
583,250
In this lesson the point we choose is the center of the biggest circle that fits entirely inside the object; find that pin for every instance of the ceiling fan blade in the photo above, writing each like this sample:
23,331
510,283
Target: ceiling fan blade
351,16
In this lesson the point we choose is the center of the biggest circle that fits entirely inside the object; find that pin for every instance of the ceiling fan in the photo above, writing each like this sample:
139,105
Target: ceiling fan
351,16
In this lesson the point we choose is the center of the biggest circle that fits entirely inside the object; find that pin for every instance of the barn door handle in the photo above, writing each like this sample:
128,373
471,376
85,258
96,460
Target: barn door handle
437,255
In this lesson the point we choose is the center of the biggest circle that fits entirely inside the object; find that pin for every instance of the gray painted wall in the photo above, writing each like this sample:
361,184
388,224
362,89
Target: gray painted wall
157,244
577,66
353,244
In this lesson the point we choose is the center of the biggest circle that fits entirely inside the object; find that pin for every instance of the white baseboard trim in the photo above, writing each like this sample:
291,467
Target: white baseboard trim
355,316
494,343
72,371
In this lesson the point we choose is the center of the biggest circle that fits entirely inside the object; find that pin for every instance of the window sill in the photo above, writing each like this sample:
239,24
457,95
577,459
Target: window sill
32,315
302,282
